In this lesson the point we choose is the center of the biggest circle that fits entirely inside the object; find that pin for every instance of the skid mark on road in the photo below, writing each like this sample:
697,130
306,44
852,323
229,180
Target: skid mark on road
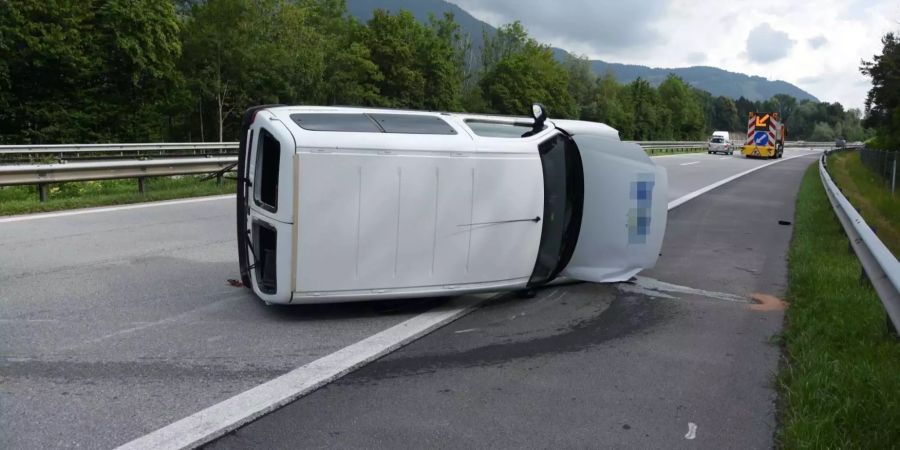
627,315
660,289
144,326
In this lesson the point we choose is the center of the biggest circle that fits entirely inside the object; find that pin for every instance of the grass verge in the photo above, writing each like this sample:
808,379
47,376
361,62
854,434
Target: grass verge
24,199
869,194
840,383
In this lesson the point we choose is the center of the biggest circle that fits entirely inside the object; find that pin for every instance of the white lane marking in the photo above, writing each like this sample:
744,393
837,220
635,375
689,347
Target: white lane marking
725,157
114,208
219,419
679,154
692,431
467,330
689,163
685,198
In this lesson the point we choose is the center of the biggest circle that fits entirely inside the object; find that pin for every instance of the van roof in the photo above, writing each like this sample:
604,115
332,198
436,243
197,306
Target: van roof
444,123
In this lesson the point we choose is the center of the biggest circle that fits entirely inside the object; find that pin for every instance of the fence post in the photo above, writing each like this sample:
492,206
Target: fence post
894,175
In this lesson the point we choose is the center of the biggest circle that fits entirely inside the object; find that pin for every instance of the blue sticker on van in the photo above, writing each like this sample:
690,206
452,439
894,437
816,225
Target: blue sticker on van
639,216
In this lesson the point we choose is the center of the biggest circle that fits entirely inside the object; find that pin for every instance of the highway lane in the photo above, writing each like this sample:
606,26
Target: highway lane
644,365
120,322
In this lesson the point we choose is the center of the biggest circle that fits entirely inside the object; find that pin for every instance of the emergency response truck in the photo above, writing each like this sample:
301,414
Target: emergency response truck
765,136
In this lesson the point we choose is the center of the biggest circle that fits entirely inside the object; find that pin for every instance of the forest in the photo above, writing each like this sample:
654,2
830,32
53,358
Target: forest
95,71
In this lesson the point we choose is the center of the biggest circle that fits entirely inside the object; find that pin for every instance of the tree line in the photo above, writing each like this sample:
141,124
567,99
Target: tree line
883,100
150,71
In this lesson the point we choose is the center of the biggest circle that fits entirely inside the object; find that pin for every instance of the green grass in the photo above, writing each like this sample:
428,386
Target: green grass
24,199
658,152
840,383
868,192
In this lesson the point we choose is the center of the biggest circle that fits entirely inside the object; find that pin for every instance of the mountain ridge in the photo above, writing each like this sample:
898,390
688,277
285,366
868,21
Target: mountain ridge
711,79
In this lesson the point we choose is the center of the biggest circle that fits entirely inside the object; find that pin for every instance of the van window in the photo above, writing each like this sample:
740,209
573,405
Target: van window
351,123
488,128
265,243
563,205
373,123
265,181
412,124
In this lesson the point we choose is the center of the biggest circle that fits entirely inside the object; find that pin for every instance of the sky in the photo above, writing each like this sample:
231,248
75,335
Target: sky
816,45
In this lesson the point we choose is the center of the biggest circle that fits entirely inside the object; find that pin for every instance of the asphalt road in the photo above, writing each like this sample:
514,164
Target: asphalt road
117,323
588,366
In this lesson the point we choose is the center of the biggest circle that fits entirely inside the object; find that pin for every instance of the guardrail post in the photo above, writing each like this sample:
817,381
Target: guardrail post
42,192
219,179
141,185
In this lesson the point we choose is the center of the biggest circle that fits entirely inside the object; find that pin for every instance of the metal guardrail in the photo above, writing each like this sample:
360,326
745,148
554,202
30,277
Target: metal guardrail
44,174
65,152
881,267
44,164
93,148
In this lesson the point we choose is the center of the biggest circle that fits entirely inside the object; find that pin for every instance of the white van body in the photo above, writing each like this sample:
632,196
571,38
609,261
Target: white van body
344,204
722,134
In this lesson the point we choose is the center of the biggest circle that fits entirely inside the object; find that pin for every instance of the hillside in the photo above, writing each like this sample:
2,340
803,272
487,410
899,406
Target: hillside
713,80
710,79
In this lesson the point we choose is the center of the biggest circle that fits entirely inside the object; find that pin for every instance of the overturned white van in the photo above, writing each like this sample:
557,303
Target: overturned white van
343,204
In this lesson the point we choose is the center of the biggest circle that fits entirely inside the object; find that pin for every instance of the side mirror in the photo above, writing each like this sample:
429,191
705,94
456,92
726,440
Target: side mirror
540,116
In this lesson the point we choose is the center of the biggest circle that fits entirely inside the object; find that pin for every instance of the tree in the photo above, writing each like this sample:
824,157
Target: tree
725,115
650,122
86,71
682,109
582,83
822,132
608,106
218,53
524,75
883,100
352,77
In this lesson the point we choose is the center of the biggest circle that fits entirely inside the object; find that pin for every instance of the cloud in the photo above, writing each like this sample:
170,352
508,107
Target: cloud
817,41
812,79
766,44
696,58
590,26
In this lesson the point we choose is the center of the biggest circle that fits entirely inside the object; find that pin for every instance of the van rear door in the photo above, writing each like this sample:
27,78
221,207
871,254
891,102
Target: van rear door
269,196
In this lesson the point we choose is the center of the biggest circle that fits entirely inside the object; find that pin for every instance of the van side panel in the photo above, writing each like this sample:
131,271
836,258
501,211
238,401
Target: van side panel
508,192
389,221
379,222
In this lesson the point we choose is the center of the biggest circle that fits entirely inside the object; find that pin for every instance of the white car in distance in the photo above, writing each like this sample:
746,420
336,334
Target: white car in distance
720,142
